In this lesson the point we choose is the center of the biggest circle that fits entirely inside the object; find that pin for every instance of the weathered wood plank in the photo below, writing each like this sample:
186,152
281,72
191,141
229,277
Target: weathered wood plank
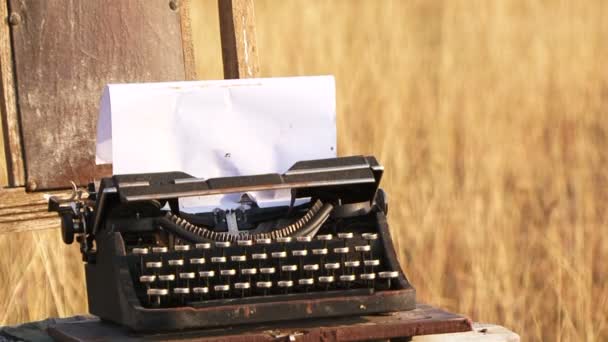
187,42
11,164
65,52
21,211
239,47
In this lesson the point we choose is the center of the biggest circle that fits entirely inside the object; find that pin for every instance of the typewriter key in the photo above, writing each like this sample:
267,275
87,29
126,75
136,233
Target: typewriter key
311,267
154,264
166,277
147,278
279,255
347,277
299,252
345,236
187,276
160,250
218,260
207,275
238,258
341,250
228,273
363,248
304,238
197,261
263,241
222,289
284,239
249,271
327,280
157,293
286,284
368,277
325,237
201,291
244,243
352,263
242,286
259,256
182,248
203,245
319,251
265,285
222,245
176,262
181,290
388,275
306,281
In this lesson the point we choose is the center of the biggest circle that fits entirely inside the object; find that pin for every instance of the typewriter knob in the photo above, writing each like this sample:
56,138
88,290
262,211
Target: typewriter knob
67,228
381,201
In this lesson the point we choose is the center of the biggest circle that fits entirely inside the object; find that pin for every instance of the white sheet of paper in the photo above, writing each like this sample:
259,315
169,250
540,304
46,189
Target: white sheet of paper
217,128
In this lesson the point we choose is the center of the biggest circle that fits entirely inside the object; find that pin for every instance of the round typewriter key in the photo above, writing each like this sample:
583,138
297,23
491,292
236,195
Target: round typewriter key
348,235
259,256
176,262
238,258
267,270
200,290
206,274
154,264
371,263
319,251
352,263
369,236
388,275
242,286
364,248
166,277
299,252
181,290
347,277
158,293
218,260
332,266
327,280
202,245
279,255
284,239
249,271
139,251
285,283
263,241
182,248
228,273
341,250
311,267
265,285
197,261
304,238
221,289
147,278
222,244
325,237
160,249
244,243
306,281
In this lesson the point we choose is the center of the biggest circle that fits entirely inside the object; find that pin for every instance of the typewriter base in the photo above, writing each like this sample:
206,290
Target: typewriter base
423,320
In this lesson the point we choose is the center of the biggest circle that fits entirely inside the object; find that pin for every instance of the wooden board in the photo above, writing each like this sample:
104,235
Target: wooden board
65,52
423,320
239,47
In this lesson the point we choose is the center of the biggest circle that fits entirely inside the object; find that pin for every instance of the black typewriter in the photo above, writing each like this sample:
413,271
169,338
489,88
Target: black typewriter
151,267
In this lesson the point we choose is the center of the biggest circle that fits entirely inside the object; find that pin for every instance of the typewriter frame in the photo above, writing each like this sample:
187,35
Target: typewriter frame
118,302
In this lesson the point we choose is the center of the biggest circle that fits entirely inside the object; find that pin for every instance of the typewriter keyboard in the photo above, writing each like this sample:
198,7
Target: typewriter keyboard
189,274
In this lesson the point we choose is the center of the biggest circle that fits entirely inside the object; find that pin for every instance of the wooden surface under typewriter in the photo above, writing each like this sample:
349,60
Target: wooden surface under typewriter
424,320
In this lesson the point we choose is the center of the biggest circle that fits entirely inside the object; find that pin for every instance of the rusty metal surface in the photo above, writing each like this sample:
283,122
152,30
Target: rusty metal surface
65,52
424,320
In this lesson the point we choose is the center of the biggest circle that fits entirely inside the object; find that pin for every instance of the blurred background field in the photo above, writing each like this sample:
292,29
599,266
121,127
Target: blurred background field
491,118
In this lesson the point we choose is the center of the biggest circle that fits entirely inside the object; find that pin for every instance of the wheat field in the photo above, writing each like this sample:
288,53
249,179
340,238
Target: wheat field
491,118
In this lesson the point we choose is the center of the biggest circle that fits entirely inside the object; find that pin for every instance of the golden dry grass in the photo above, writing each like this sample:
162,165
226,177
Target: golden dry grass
491,118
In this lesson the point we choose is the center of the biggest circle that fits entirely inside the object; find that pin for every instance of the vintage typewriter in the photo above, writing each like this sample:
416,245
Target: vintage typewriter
151,267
